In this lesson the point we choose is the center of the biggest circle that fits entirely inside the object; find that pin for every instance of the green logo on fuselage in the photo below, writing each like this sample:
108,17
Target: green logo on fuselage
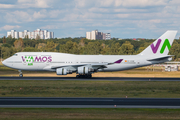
31,59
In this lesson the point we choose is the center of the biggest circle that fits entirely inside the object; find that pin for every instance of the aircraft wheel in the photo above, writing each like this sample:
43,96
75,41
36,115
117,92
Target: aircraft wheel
81,76
86,76
90,76
20,75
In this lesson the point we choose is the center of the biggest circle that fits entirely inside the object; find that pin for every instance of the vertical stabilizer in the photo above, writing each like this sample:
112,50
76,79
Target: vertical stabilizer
162,45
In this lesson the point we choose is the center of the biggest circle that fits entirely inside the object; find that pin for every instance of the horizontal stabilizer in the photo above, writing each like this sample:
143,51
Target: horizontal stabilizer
160,58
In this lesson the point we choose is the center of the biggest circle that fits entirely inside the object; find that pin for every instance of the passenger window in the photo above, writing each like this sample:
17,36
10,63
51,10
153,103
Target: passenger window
15,55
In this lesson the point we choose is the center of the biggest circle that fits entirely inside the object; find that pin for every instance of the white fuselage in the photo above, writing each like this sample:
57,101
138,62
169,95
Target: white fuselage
47,61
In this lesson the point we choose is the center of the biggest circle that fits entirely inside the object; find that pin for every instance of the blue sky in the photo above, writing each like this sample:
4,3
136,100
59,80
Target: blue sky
72,18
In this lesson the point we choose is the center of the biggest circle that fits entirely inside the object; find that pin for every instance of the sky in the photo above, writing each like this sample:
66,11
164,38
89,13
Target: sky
73,18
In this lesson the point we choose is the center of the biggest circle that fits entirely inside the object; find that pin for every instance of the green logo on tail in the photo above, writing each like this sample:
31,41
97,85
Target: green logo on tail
155,48
166,43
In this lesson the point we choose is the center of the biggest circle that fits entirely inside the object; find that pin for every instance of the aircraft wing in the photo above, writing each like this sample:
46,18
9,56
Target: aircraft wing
91,65
54,67
95,66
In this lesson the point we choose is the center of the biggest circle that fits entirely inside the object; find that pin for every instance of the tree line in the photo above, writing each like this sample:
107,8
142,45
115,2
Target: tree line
9,46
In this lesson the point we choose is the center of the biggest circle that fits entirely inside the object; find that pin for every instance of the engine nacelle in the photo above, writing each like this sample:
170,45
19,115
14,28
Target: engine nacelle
61,71
84,70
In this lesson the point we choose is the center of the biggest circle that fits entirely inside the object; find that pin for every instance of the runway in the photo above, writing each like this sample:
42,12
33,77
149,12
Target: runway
9,102
93,78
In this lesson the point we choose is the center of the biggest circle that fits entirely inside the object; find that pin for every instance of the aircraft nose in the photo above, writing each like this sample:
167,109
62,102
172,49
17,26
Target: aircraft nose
4,62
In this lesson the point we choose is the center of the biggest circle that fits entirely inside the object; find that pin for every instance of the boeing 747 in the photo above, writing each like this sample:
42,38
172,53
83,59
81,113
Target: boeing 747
85,65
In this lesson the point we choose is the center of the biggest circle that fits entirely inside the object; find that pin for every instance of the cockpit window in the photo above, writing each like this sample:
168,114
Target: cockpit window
15,55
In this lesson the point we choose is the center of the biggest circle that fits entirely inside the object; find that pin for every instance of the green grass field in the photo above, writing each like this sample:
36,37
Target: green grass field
88,114
89,89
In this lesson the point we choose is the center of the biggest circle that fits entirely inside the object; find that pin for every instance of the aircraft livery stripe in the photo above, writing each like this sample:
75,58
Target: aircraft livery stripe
119,61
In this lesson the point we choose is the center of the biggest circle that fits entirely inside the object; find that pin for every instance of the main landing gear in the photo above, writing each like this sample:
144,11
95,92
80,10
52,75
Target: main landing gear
20,73
84,76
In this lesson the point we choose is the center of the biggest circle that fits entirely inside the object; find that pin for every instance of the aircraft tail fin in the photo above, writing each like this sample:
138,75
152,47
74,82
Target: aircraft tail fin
162,45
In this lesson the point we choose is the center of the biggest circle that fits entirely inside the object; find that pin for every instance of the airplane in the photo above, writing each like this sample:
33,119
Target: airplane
85,65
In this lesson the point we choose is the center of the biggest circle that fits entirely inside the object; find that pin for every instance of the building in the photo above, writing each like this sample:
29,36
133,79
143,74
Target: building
88,35
99,35
52,34
106,36
31,35
21,35
95,35
16,34
12,33
8,34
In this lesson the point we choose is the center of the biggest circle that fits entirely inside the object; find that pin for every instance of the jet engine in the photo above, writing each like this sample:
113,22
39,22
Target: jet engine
63,71
84,70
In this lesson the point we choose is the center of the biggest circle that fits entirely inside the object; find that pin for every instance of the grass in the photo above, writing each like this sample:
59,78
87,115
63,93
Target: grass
87,114
132,89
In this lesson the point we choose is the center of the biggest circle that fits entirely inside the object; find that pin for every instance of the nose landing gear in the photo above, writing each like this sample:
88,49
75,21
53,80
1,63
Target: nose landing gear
20,73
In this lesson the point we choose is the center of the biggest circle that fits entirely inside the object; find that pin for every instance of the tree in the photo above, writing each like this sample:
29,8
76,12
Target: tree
115,49
37,37
105,49
26,37
82,42
141,49
10,36
50,47
127,48
4,39
41,46
66,48
75,49
30,49
7,52
175,50
6,45
31,43
93,48
19,44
